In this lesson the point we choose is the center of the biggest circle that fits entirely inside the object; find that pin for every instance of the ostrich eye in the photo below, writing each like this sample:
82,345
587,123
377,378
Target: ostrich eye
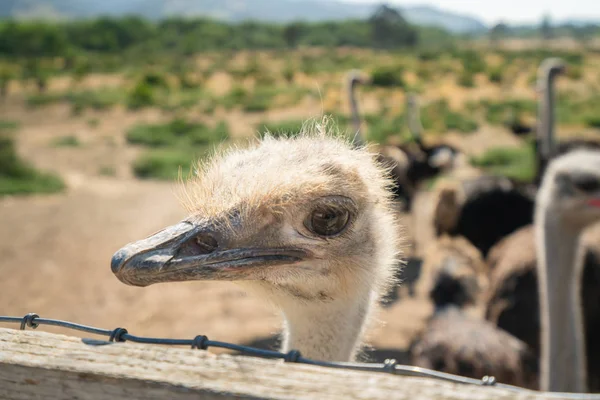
585,182
328,220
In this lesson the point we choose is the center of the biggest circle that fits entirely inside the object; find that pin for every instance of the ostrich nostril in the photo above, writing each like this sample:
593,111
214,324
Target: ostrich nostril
202,243
206,243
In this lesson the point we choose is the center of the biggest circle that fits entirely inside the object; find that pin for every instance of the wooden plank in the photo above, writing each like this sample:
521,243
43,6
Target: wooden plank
36,365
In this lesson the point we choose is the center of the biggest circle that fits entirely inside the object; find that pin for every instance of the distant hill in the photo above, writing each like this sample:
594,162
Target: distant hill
234,10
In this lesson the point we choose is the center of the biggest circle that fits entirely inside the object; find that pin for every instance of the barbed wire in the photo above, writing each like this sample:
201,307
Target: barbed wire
33,320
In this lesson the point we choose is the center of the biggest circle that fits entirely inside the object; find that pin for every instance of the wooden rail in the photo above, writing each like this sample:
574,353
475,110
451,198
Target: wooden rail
40,365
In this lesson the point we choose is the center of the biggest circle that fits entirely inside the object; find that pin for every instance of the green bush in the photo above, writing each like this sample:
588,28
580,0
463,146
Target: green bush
593,121
42,99
18,177
513,162
460,122
142,95
466,79
154,79
259,101
495,75
8,125
236,96
438,117
177,133
163,164
288,73
388,77
502,111
95,99
66,141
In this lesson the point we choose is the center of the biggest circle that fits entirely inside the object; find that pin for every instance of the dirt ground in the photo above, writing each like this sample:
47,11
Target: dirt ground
55,250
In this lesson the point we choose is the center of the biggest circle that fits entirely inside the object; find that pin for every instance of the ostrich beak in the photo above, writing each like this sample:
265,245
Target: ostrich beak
186,251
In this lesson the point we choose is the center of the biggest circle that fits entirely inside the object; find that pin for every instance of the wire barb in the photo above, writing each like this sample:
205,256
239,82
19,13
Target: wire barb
488,381
389,365
117,335
292,356
28,320
202,342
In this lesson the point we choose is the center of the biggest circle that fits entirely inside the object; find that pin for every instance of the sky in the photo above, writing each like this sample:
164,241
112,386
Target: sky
512,11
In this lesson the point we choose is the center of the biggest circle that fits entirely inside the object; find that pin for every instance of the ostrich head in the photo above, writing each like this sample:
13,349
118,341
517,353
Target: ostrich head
551,67
571,188
548,70
305,222
356,76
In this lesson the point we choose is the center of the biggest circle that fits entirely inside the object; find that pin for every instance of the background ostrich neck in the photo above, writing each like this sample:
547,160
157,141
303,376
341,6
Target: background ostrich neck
414,122
355,114
545,126
562,363
327,331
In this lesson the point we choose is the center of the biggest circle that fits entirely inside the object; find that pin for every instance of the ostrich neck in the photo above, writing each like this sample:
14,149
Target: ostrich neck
545,126
562,363
414,123
356,122
327,331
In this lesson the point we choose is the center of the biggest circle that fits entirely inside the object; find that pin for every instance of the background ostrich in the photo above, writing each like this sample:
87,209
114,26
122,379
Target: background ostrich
513,302
392,157
487,208
568,201
314,234
440,156
547,145
411,166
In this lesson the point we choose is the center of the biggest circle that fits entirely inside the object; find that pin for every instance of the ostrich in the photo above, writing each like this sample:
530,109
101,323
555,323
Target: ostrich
512,302
307,223
567,202
410,166
501,206
440,156
395,158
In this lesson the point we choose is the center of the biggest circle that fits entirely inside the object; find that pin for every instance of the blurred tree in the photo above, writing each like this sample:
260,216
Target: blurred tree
390,29
292,33
546,30
498,32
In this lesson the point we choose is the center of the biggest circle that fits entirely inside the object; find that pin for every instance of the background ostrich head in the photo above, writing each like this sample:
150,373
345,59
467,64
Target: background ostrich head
571,188
305,222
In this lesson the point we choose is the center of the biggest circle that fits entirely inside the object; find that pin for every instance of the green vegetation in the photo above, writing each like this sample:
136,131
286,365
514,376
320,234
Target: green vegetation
100,99
18,177
177,133
502,112
8,125
388,77
142,38
513,162
572,109
176,144
66,141
379,129
438,117
107,170
495,75
164,164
